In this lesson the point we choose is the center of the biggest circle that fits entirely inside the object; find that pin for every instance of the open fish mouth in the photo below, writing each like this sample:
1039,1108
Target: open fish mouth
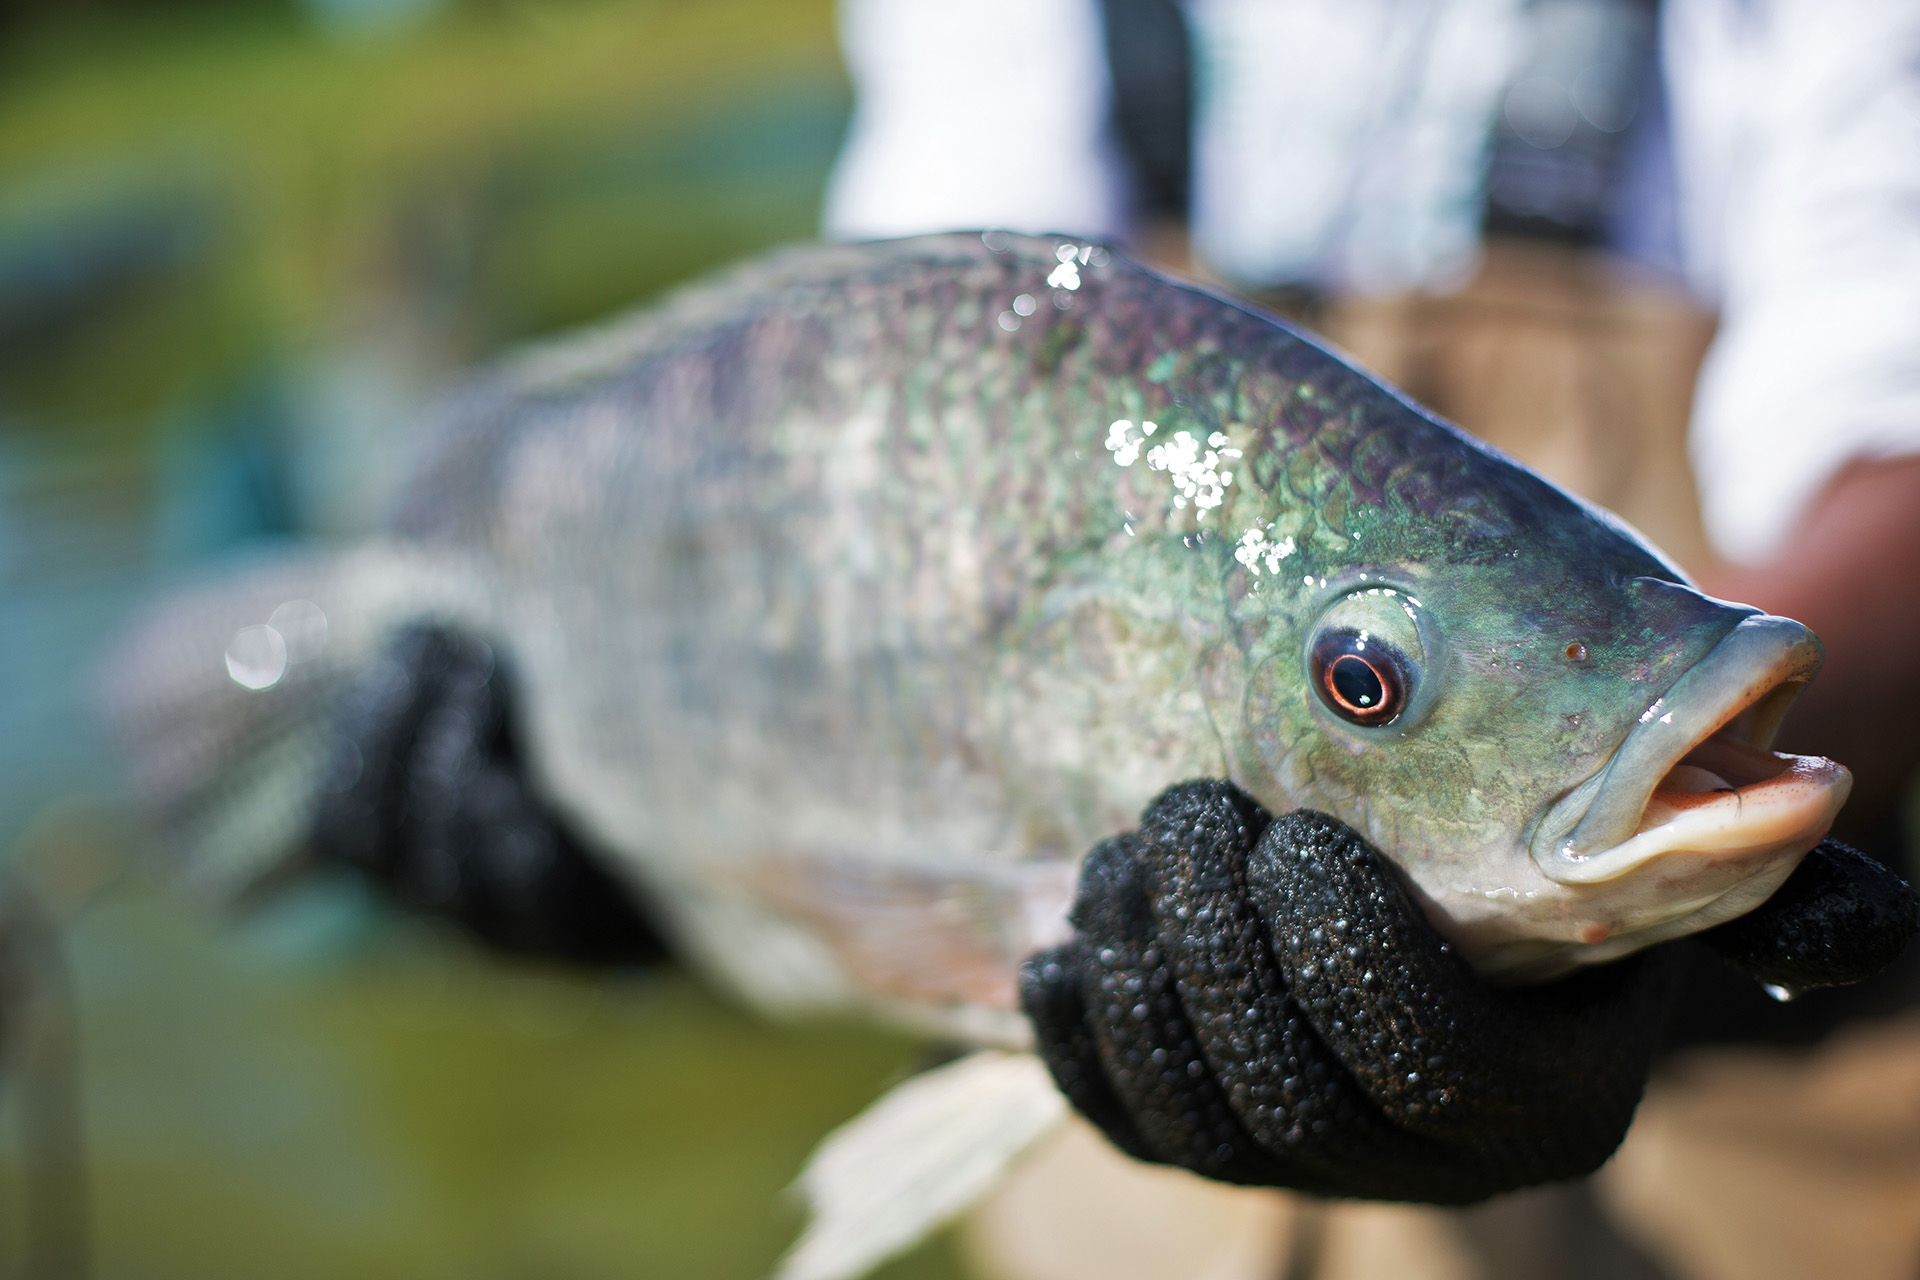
1695,791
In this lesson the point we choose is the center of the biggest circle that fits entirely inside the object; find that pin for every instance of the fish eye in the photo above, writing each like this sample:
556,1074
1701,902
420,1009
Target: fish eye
1359,677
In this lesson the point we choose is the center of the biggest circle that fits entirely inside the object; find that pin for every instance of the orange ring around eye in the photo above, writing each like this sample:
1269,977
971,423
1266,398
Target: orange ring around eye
1358,681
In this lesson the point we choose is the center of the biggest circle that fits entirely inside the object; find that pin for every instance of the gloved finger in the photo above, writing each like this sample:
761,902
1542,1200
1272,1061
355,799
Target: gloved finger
1283,1083
1545,1076
1145,1043
1054,1000
1840,917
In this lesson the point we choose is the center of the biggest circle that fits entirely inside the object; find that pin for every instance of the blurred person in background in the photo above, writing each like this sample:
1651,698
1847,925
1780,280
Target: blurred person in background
1669,256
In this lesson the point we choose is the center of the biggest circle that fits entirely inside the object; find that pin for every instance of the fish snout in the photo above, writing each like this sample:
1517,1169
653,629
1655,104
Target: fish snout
1704,741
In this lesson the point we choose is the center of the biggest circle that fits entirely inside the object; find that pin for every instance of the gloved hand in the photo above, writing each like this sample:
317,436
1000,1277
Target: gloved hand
427,795
1263,1002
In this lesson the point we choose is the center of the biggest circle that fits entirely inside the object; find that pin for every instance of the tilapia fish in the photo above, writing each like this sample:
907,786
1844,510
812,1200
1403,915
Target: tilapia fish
853,596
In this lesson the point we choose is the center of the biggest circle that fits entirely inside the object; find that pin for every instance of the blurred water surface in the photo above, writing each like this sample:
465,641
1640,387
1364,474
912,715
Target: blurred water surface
241,244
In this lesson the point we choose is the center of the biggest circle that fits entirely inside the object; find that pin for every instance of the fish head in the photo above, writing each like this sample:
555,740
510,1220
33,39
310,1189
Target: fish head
1561,742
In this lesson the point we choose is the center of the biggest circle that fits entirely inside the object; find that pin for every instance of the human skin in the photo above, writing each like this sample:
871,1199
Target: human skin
1851,571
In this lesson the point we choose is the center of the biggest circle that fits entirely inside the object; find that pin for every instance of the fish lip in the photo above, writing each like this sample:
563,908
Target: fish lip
1738,692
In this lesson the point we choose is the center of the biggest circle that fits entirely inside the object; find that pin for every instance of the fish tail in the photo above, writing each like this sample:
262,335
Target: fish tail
219,697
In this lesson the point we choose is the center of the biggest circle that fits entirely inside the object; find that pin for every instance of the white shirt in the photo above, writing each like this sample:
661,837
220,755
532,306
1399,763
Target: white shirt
1796,131
1343,142
973,114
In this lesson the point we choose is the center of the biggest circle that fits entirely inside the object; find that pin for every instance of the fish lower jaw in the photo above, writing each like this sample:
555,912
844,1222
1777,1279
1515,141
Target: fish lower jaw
1717,823
1700,858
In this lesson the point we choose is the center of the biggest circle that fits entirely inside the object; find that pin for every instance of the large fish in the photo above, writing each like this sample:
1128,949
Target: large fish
849,599
854,595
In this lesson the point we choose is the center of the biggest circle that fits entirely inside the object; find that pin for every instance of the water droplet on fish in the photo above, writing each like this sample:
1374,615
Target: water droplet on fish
1780,992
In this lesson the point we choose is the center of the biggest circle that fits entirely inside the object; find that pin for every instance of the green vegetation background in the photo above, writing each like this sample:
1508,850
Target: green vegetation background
198,204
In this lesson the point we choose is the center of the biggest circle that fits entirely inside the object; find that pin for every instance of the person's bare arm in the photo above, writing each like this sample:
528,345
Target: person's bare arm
1851,571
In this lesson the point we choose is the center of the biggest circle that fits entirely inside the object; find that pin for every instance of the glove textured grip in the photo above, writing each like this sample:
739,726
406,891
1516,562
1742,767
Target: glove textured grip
1263,1001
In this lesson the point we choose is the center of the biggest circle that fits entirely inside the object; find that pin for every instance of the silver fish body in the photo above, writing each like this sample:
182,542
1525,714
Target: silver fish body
853,597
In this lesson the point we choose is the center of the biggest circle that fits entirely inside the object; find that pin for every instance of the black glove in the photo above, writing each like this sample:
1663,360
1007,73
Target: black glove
426,794
1263,1002
1839,918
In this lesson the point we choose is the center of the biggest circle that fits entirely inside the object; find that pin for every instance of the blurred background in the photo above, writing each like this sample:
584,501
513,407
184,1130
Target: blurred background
241,242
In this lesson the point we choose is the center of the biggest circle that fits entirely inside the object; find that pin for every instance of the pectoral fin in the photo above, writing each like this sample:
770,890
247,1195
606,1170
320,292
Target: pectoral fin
917,1158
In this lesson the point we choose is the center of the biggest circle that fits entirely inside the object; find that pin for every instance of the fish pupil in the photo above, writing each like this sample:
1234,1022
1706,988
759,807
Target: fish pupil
1357,683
